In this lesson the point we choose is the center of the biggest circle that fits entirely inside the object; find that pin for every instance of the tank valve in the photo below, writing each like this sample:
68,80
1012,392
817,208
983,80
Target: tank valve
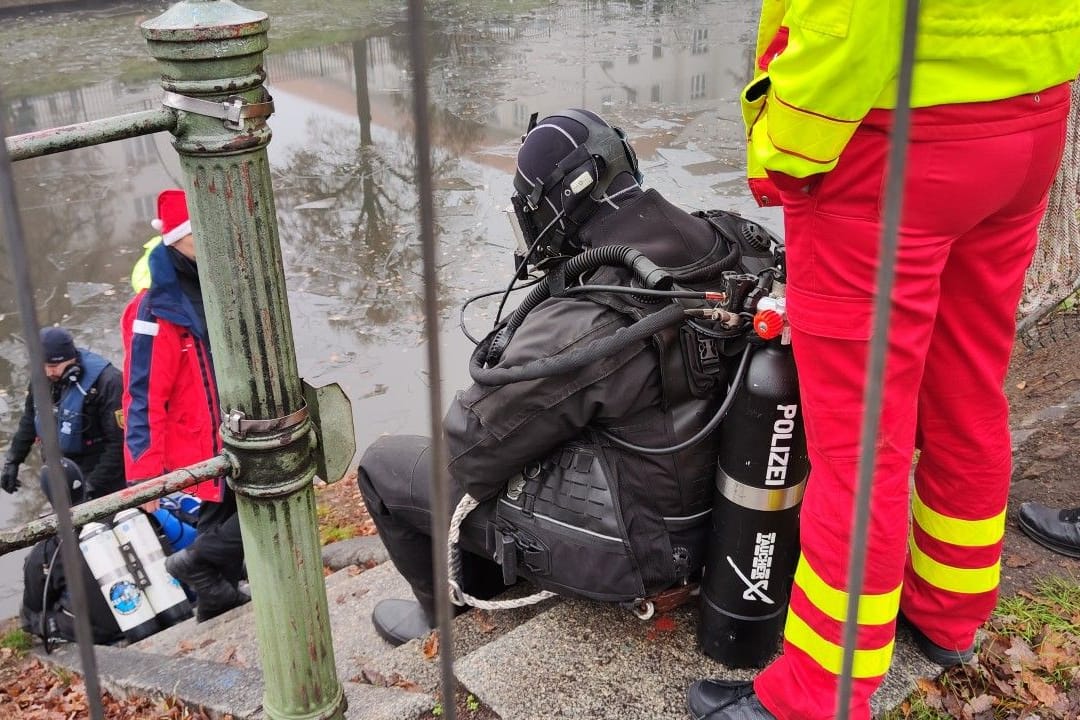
768,324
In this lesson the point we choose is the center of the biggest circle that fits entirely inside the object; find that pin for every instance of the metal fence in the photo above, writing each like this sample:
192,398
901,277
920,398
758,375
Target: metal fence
211,57
270,443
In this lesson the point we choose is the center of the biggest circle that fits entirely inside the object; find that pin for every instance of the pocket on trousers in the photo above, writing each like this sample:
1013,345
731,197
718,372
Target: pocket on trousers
842,318
853,189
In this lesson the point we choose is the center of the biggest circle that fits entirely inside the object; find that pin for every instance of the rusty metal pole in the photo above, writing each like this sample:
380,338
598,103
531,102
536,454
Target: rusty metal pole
211,56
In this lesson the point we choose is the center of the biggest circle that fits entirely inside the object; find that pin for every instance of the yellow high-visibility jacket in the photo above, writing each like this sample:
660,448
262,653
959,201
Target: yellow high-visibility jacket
140,273
842,58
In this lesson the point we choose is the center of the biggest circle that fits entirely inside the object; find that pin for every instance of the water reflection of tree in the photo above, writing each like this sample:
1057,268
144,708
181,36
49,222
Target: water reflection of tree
67,218
347,202
66,207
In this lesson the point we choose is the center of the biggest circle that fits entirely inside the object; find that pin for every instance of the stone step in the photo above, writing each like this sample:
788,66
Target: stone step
561,658
589,660
221,690
195,662
380,681
229,640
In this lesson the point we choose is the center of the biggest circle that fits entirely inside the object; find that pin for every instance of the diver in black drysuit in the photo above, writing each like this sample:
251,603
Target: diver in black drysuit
522,432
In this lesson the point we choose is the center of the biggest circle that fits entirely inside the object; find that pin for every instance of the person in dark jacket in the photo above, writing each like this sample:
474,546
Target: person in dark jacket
86,395
577,187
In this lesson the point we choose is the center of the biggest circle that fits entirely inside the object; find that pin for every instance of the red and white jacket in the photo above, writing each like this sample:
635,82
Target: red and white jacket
170,398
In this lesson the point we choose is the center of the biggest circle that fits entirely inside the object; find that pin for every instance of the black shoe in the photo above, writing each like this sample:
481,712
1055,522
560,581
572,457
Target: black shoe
214,594
935,653
725,700
399,621
1058,530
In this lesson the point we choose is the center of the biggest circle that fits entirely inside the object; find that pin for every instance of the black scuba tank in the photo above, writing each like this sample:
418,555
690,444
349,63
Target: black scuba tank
754,543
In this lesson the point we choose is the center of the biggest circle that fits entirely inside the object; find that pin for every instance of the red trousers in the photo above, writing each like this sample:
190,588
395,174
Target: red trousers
976,187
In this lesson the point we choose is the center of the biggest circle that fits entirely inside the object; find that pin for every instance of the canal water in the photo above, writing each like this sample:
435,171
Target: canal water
342,156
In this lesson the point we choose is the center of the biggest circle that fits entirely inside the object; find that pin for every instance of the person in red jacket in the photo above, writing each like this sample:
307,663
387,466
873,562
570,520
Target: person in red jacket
989,99
171,406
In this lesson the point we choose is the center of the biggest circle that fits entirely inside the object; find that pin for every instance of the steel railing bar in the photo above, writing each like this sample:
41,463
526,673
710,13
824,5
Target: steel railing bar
872,398
440,495
29,533
69,543
87,134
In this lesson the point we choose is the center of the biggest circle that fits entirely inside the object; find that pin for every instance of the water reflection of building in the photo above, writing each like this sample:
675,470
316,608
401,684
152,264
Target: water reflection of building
607,57
485,81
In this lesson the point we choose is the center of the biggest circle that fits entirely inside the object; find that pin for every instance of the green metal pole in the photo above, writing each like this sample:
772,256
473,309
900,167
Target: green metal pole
212,50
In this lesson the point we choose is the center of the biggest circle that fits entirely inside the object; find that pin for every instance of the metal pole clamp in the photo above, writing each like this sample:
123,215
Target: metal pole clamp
240,425
232,110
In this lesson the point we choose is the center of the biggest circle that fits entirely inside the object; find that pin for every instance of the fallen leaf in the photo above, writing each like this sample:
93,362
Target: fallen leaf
982,703
1021,653
372,677
931,693
482,620
1017,561
430,647
1042,691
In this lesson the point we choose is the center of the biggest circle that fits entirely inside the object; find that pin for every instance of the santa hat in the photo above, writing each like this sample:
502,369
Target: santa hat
172,220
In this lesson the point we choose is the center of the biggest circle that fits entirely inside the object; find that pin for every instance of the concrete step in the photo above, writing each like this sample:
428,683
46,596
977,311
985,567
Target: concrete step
380,681
215,664
219,689
559,659
229,640
589,660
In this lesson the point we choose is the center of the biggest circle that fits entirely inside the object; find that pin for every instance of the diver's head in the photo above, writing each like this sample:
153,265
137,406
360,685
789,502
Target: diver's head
569,164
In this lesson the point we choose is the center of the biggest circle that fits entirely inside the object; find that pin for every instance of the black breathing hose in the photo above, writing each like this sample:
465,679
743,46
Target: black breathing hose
45,639
575,359
713,270
648,273
643,292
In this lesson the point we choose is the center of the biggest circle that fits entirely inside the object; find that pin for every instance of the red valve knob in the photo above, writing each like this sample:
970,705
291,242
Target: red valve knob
768,324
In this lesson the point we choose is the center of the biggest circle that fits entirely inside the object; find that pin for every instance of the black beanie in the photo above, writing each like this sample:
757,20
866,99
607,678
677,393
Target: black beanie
58,345
74,477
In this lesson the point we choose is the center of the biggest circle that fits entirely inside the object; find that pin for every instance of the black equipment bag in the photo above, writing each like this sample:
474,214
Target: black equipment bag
47,609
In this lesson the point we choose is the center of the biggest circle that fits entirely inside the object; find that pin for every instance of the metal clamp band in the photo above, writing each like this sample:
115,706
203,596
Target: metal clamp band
758,498
239,425
232,110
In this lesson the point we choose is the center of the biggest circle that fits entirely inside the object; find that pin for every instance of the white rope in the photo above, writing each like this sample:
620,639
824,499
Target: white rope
459,596
1056,266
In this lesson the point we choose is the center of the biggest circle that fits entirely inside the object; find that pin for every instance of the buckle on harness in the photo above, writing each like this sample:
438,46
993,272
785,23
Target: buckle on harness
534,555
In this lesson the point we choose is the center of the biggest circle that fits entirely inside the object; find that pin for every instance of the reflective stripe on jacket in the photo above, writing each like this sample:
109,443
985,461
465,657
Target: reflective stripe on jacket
823,64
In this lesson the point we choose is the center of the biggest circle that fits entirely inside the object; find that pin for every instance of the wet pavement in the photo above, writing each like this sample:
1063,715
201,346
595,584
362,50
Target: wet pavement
342,157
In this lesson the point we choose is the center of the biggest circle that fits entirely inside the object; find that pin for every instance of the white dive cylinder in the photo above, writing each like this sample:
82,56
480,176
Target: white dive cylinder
128,603
136,537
